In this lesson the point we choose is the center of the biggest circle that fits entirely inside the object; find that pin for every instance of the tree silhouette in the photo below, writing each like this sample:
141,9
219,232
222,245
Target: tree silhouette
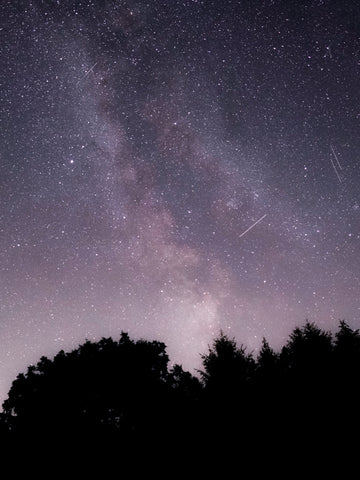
120,396
306,384
106,389
346,394
307,348
347,349
267,366
266,398
227,367
226,376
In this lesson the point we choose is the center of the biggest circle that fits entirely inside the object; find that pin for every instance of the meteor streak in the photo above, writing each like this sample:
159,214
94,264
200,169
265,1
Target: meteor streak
87,73
253,225
334,166
336,157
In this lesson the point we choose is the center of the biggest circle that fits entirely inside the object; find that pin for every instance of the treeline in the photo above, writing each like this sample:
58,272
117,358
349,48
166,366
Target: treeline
122,396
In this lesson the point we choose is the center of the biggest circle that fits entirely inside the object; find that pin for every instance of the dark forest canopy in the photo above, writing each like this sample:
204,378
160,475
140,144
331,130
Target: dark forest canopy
123,393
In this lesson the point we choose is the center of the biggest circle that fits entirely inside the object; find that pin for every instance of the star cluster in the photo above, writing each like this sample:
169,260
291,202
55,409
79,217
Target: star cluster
175,168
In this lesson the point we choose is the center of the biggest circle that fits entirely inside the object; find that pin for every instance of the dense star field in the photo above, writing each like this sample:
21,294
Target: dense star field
173,168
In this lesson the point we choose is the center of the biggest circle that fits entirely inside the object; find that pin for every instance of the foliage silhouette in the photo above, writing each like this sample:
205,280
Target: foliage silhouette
226,366
226,377
105,390
121,395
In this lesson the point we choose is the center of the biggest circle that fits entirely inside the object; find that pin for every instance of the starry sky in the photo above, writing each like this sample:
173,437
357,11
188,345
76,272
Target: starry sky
173,168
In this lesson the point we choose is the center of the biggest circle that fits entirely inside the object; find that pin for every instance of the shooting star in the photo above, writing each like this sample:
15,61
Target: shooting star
337,174
337,159
334,167
87,73
252,226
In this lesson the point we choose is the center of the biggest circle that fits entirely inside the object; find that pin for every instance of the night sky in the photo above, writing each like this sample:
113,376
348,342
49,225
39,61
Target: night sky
173,168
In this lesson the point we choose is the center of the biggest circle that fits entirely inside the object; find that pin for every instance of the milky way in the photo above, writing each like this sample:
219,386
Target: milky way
173,168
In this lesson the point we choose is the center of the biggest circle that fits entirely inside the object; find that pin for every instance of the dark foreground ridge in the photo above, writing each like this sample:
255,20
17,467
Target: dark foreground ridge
119,399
